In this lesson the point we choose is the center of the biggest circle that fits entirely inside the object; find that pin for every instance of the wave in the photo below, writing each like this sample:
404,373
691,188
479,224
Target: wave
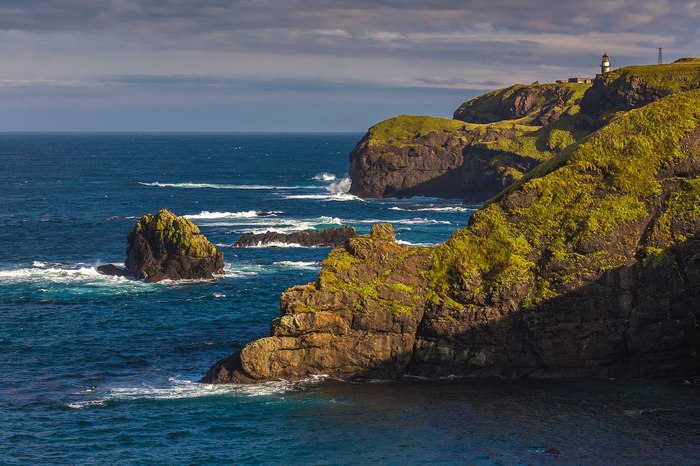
158,184
324,176
422,245
299,265
403,221
275,244
57,273
433,209
206,215
340,187
184,389
325,197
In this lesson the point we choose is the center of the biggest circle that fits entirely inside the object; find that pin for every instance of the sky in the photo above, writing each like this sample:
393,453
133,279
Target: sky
304,65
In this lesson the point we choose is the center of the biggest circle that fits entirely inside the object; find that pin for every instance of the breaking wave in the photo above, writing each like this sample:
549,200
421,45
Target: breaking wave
158,184
324,176
433,209
182,389
298,265
206,215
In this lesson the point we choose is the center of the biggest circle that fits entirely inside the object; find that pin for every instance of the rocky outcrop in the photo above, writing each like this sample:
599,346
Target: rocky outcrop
635,86
165,246
588,266
542,104
328,237
424,156
359,319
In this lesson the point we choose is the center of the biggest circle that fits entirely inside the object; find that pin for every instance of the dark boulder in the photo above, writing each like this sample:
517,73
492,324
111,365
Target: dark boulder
329,237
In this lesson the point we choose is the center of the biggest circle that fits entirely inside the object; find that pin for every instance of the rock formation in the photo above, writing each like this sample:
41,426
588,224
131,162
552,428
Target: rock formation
504,134
589,265
328,237
165,246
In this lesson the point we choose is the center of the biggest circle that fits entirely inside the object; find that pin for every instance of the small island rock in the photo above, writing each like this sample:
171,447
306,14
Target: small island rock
167,247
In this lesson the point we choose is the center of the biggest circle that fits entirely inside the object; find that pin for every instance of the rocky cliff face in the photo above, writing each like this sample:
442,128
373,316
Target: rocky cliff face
541,104
587,266
493,140
165,246
428,159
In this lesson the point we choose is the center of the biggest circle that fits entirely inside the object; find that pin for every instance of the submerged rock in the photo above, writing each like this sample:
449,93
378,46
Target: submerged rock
167,247
328,237
112,270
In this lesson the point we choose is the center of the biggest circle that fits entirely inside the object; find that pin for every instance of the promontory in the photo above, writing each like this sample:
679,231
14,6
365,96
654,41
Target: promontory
587,264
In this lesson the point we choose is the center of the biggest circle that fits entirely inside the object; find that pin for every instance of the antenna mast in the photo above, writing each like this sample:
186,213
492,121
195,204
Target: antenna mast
661,57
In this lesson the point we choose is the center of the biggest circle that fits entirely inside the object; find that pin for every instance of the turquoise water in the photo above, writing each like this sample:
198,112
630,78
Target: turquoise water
105,370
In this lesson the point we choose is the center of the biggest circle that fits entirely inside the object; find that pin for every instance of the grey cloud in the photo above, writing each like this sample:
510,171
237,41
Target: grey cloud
566,16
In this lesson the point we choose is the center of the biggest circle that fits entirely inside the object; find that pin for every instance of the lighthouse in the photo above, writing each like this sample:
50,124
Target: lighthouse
605,64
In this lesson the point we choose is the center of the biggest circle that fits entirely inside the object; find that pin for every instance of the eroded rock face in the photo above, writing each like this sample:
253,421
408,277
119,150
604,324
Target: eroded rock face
328,237
359,319
438,164
165,246
588,267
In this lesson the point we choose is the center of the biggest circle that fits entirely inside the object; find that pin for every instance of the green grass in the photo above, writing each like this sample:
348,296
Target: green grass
581,205
489,107
405,128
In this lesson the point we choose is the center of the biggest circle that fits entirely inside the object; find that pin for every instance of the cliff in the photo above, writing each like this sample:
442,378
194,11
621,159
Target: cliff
165,246
589,265
504,134
498,137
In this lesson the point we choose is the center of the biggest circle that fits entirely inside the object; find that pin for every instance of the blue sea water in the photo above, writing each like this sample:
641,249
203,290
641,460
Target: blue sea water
99,370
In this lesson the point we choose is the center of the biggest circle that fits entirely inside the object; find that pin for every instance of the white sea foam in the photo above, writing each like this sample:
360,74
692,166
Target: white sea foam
408,243
205,214
433,209
217,186
402,221
340,187
276,244
324,176
184,389
298,265
325,197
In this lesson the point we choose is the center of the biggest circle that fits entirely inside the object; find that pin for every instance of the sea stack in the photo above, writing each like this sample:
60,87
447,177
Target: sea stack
167,247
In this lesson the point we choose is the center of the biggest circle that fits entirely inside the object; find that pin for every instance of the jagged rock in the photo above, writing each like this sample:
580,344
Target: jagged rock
165,246
589,266
328,237
358,320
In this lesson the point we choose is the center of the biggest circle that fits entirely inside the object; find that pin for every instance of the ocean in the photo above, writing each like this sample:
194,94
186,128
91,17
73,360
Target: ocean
104,370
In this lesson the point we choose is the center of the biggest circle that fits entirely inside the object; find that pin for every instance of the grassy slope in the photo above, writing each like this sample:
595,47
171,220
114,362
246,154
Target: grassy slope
486,107
572,209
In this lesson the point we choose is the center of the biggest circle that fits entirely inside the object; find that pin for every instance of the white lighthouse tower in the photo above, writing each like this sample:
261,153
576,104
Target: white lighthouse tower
605,64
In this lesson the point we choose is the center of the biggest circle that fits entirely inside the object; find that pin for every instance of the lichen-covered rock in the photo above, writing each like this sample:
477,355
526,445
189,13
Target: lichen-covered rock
359,319
328,237
587,266
165,246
